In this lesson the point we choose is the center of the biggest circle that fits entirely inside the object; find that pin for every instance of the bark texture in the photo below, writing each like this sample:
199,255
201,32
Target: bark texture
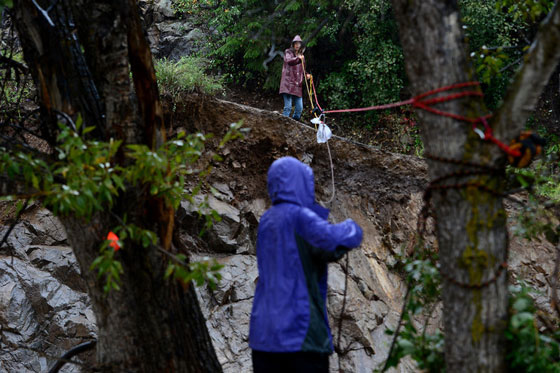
150,325
471,230
62,76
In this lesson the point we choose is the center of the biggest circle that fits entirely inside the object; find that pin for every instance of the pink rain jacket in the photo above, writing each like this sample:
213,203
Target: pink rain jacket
292,72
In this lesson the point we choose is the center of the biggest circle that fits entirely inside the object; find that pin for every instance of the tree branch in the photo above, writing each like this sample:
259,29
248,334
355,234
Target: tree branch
322,24
523,94
13,64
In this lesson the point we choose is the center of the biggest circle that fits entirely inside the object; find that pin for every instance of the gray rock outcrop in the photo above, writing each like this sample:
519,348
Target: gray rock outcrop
44,307
170,35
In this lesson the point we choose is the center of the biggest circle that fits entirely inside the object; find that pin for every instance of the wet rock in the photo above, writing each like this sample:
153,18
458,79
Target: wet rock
227,311
164,9
41,316
223,192
46,228
60,262
170,35
20,237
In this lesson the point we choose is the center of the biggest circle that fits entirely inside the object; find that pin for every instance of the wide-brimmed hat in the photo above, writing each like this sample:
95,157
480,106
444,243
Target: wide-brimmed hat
297,38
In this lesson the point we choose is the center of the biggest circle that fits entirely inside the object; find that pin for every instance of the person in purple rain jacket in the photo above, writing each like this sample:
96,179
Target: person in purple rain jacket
289,329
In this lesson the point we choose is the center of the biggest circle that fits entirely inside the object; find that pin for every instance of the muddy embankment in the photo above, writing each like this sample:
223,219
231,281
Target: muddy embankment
43,304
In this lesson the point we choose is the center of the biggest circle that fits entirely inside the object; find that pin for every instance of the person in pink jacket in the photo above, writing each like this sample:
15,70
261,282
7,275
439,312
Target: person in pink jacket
292,79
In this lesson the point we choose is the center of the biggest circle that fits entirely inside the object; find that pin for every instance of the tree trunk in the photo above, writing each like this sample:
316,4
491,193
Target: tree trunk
471,231
150,325
471,221
59,71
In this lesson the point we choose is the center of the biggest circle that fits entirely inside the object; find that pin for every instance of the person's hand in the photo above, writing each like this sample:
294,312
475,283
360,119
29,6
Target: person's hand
308,76
301,57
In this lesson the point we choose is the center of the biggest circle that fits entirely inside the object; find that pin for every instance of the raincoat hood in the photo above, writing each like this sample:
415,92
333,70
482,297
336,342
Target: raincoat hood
290,180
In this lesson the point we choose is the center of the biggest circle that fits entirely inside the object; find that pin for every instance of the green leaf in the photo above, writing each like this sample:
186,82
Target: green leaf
169,271
406,346
521,304
520,319
154,189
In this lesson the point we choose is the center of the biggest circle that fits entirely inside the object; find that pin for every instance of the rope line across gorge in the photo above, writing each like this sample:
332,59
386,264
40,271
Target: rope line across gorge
424,101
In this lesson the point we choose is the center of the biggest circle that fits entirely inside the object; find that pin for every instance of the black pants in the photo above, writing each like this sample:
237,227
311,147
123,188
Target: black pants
290,362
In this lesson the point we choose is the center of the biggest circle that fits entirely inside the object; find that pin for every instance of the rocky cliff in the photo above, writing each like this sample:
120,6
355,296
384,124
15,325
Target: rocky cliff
44,309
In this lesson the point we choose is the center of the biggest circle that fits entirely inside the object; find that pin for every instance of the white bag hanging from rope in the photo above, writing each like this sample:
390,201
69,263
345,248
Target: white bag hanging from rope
324,133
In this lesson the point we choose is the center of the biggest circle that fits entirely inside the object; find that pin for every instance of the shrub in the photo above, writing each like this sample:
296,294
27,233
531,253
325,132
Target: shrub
184,76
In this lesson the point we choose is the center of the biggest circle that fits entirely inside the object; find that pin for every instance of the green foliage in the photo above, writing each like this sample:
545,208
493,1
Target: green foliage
165,169
374,72
542,176
84,178
357,45
533,222
18,86
528,10
498,32
355,57
108,267
528,349
424,291
5,4
201,272
495,42
188,74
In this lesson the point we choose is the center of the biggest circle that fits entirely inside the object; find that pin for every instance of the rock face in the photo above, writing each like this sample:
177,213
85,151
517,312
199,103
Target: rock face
170,36
44,307
381,191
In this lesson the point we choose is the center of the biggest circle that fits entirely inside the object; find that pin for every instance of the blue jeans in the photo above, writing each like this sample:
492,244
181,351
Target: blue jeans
298,102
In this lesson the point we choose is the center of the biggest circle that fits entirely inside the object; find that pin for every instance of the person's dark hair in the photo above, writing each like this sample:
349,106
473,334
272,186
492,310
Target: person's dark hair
292,46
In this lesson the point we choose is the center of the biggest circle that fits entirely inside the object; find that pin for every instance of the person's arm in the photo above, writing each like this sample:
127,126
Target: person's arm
290,58
330,241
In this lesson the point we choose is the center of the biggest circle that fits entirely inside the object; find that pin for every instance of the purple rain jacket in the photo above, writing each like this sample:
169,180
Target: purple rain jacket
295,242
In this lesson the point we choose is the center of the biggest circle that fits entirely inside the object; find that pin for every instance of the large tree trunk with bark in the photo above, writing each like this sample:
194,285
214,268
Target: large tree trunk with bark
150,325
470,220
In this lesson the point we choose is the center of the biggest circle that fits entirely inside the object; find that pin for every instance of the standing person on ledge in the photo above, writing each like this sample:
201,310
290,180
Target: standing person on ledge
289,330
292,79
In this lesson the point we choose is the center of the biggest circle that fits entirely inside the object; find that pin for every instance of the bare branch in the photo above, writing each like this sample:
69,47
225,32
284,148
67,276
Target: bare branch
272,54
14,64
323,24
540,62
267,22
510,65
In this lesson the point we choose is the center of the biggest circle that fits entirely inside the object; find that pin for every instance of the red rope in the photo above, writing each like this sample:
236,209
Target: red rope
489,136
447,88
378,107
421,102
418,101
